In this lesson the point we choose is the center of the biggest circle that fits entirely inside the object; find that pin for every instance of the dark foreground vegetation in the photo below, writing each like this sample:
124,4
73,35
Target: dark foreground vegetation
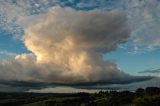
141,97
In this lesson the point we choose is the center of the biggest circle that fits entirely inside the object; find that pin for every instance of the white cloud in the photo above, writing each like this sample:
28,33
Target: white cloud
7,54
145,15
73,42
67,47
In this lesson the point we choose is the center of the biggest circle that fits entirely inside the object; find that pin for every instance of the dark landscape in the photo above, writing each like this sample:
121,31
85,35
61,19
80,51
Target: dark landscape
141,97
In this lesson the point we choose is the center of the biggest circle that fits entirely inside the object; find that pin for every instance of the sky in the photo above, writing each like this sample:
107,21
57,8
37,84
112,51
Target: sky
47,45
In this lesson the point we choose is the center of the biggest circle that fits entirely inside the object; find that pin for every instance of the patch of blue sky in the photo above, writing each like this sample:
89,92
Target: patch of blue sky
9,44
132,63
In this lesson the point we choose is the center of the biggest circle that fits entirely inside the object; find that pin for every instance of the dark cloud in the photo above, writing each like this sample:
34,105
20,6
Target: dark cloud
25,86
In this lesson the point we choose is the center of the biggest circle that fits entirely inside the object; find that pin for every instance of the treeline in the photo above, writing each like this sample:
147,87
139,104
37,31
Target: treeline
141,97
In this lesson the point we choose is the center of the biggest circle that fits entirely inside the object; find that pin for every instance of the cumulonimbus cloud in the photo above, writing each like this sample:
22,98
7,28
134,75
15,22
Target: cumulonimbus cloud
67,46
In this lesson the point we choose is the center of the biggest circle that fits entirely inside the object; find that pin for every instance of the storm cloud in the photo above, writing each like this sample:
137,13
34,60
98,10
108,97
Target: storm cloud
67,46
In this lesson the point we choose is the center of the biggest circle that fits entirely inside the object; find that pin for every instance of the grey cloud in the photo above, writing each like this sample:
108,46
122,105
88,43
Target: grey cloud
31,86
20,86
153,71
154,82
143,16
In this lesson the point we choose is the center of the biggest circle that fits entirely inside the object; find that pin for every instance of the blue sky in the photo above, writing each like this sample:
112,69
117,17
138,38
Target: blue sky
139,53
134,63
